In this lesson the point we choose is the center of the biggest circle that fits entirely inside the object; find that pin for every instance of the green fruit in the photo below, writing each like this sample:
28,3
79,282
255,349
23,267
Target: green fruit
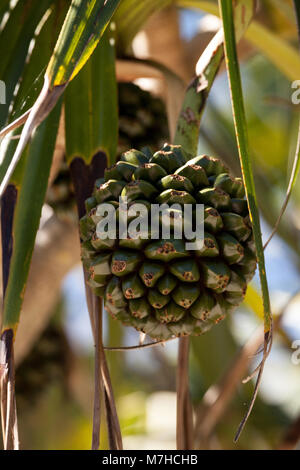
121,170
166,250
210,246
108,191
213,222
214,197
195,174
156,299
181,183
186,294
132,287
203,306
137,189
150,172
139,308
239,206
185,270
173,196
150,272
135,157
230,248
233,186
170,313
236,226
124,262
166,284
216,275
154,281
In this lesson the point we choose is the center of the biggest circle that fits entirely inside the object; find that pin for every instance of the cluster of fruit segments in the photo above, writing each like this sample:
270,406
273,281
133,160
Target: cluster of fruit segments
157,286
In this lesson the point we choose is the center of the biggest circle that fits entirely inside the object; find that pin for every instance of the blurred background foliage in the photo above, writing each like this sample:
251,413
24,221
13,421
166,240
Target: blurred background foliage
54,379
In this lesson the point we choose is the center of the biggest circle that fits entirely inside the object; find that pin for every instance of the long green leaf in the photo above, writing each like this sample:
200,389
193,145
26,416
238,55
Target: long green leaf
245,159
15,39
187,133
91,120
84,25
4,7
32,77
91,107
27,215
284,56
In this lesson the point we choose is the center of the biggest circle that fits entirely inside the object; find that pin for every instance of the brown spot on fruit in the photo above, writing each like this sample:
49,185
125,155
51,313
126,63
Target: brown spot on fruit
209,243
217,320
204,316
195,167
177,178
118,266
129,293
148,277
212,212
165,248
176,193
188,276
92,272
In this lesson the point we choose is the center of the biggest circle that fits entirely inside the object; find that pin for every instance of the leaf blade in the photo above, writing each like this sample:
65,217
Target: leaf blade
27,214
241,130
84,25
92,96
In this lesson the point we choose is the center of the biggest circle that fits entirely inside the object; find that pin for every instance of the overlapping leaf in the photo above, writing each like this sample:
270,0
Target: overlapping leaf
246,166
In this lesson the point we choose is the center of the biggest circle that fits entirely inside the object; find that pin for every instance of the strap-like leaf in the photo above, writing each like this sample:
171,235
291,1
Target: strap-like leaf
91,107
244,153
27,215
91,119
32,78
15,39
88,18
83,27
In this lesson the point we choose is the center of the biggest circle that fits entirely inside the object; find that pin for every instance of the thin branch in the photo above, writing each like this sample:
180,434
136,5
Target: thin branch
98,386
45,102
138,346
7,389
184,427
15,124
113,425
114,430
268,337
